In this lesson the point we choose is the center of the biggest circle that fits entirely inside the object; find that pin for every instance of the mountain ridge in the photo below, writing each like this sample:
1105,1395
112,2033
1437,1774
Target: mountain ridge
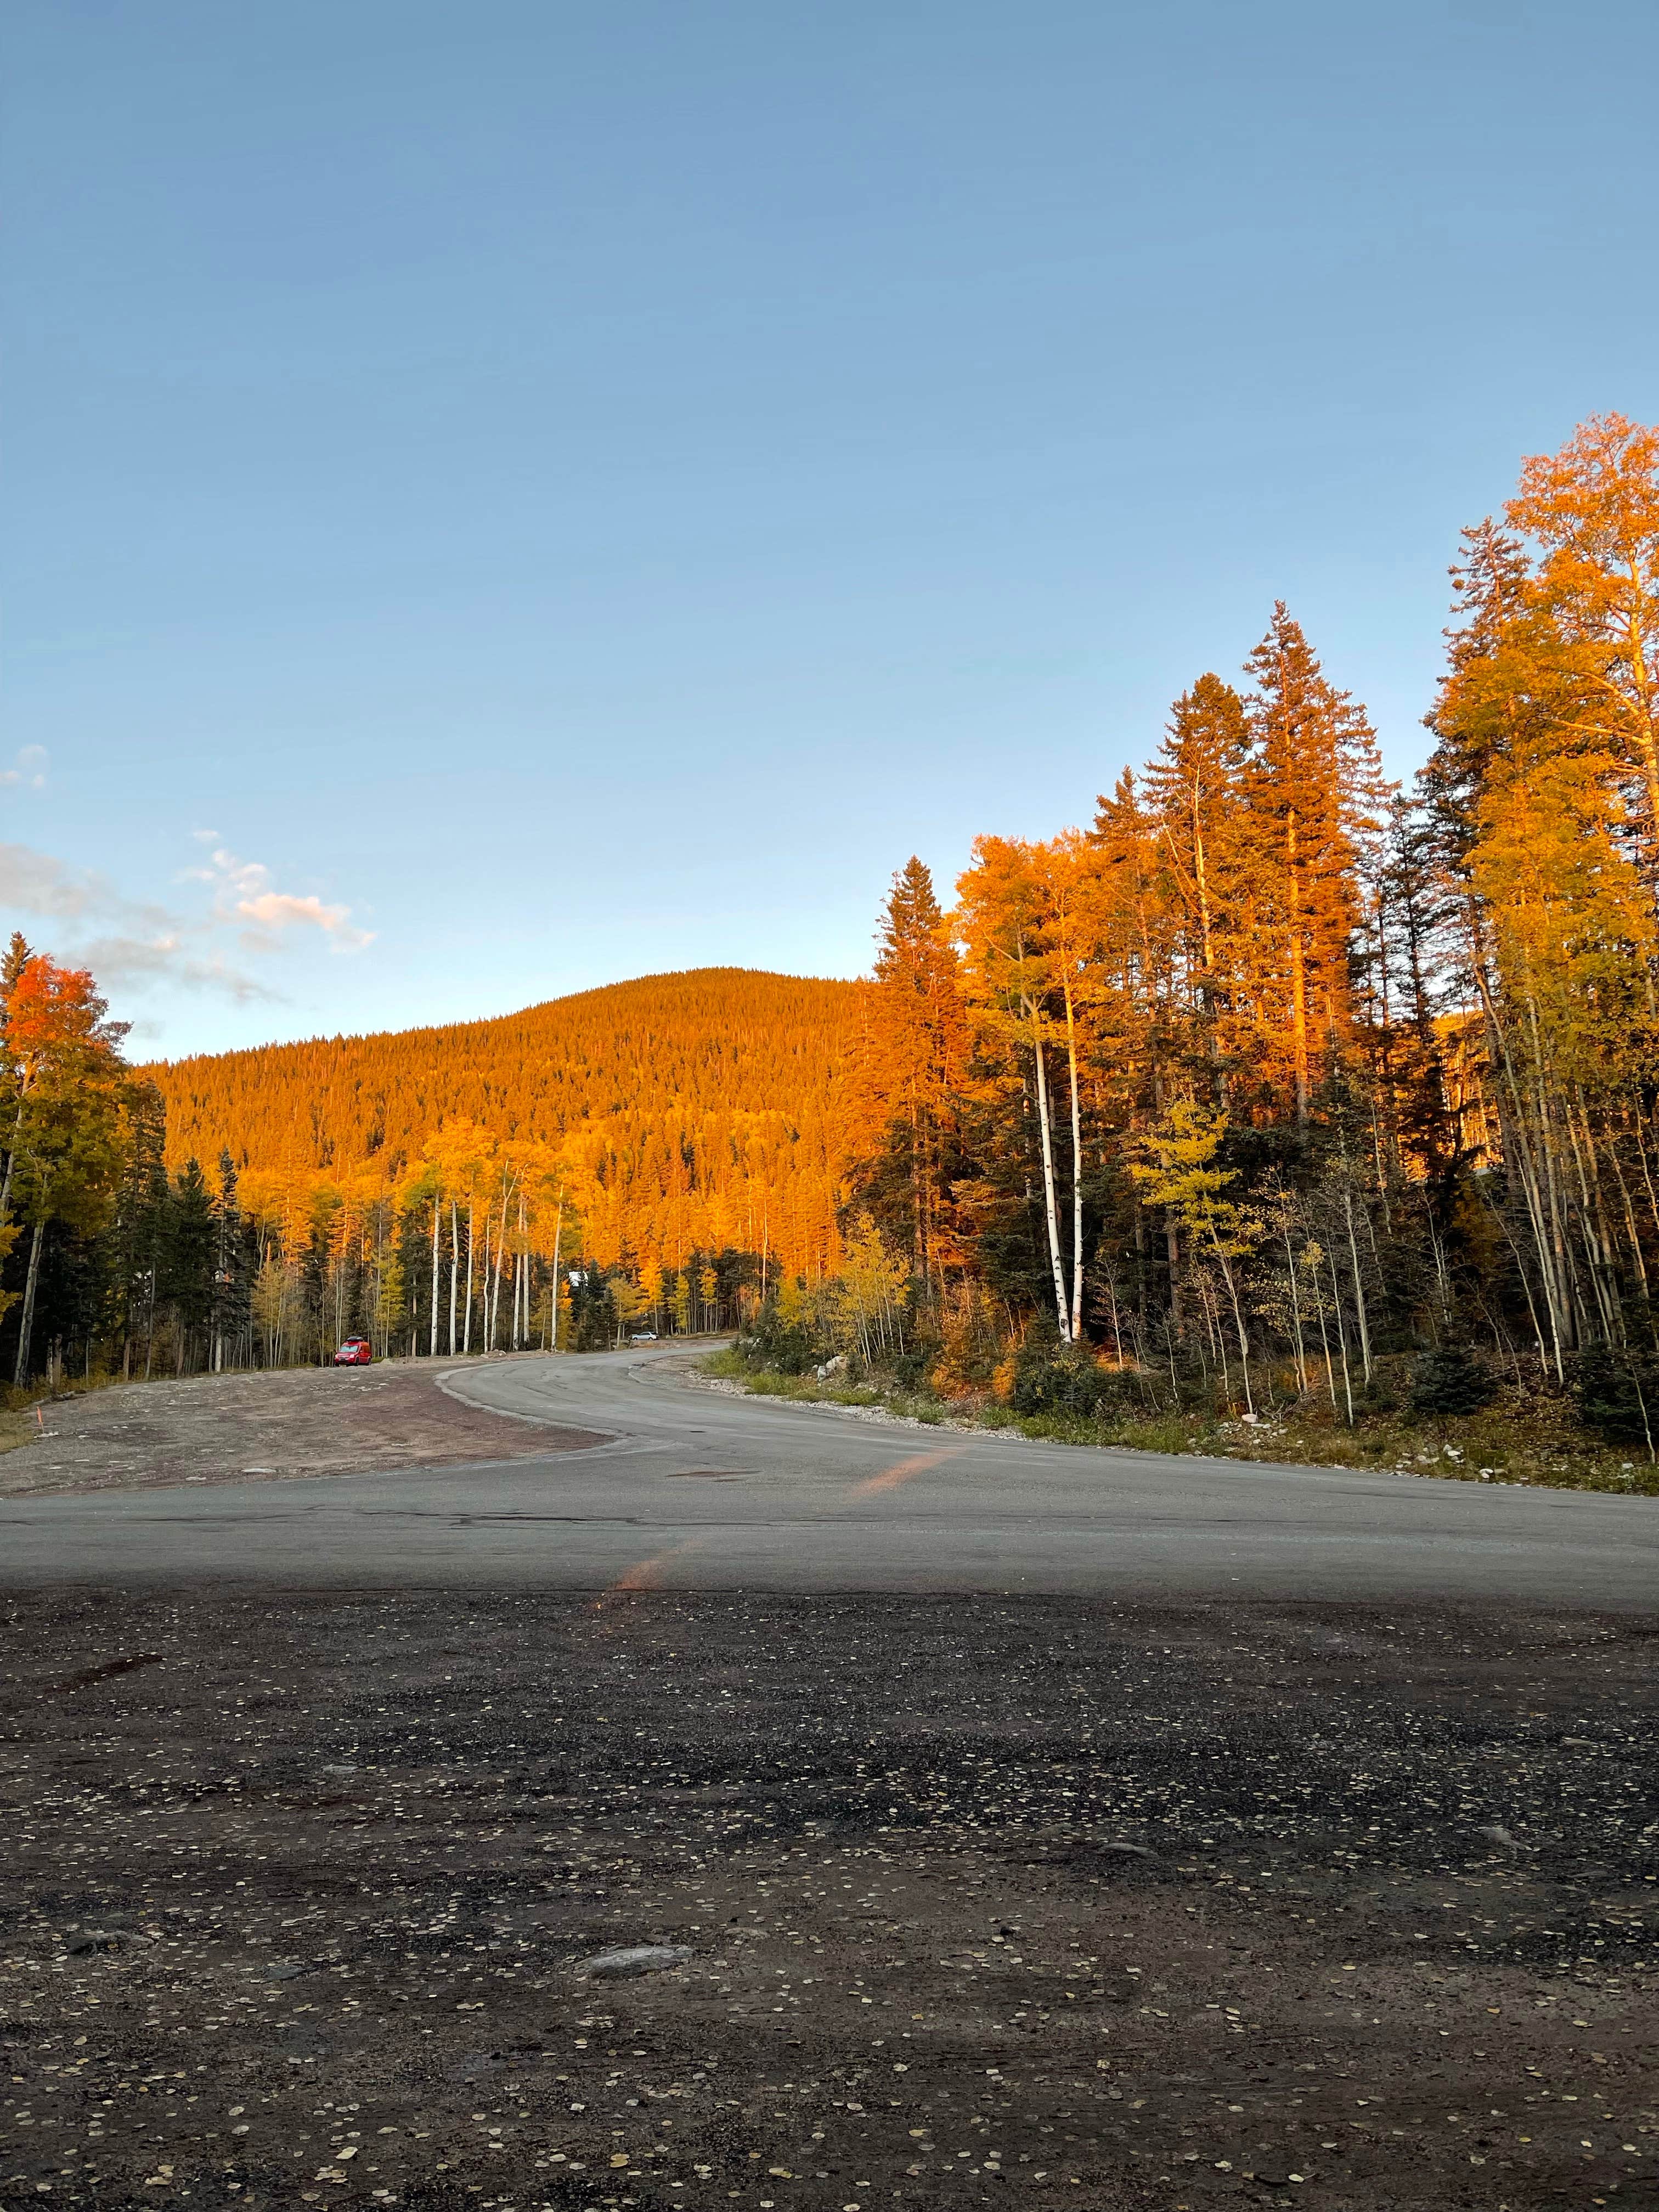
695,1107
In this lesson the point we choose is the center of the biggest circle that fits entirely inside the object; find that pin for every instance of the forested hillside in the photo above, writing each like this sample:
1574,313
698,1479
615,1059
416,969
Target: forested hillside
681,1113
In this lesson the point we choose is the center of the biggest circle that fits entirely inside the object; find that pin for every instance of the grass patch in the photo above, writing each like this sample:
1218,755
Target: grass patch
1524,1438
17,1428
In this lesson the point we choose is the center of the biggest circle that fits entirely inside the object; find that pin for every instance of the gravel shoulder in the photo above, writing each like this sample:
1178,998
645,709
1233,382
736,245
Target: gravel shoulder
282,1424
1173,1906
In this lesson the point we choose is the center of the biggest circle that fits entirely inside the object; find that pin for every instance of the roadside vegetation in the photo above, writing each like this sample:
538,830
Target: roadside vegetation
1522,1434
1284,1112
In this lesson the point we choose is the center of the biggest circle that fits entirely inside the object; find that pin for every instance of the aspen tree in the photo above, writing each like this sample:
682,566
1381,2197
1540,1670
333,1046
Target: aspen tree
999,915
1070,926
1593,509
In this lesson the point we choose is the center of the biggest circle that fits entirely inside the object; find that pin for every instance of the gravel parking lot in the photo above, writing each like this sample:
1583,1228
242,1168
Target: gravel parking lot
281,1423
982,1900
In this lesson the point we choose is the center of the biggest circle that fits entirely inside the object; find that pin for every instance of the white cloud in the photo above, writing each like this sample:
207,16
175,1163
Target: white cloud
276,910
28,768
133,946
243,893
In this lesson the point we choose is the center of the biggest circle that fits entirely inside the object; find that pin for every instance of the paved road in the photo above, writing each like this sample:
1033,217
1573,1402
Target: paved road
701,1491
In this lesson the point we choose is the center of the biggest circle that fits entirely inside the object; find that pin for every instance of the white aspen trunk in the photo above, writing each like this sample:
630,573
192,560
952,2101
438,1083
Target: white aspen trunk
1228,1278
1296,1317
1358,1284
521,1285
1050,1209
501,1256
1325,1340
1077,1177
454,1268
1342,1336
26,1326
472,1227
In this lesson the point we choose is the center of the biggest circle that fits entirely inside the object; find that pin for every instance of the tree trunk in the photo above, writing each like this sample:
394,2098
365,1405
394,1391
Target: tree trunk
1050,1210
1077,1174
501,1256
1299,973
1296,1316
472,1222
1172,1261
437,1215
1342,1335
26,1326
454,1269
495,1302
1358,1284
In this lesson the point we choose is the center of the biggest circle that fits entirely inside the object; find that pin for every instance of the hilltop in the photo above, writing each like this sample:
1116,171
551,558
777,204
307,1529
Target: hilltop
696,1103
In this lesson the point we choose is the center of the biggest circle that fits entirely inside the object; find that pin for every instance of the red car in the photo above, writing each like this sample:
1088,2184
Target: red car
355,1352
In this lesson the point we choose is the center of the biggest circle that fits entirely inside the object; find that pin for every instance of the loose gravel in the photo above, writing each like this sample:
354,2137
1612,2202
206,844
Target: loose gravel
279,1423
970,1900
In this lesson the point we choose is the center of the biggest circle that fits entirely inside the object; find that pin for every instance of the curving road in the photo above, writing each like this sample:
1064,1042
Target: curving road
703,1491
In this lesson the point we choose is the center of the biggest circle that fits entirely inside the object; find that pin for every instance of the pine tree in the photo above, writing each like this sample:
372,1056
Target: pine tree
232,1283
138,1229
909,1075
187,1284
1194,793
1316,792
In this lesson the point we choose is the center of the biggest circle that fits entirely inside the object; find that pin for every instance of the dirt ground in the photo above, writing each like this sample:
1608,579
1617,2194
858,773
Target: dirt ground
293,1421
983,1901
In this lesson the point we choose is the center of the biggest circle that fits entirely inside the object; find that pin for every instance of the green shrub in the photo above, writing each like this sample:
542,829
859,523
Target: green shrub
1449,1380
1052,1379
784,1347
1618,1395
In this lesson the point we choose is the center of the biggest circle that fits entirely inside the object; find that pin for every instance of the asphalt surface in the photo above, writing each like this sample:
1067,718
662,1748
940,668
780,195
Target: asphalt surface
704,1491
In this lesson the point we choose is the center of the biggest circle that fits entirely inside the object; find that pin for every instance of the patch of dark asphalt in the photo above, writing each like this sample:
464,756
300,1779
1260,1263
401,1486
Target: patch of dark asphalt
104,1671
942,1898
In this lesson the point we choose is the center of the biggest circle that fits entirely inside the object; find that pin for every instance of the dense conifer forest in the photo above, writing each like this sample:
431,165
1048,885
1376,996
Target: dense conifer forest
1275,1086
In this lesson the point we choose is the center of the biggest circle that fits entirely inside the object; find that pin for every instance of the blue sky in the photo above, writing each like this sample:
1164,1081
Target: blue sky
501,497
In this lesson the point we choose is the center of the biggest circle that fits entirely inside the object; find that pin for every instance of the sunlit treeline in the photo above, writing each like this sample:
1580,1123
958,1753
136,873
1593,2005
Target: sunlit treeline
1276,1075
680,1114
259,1209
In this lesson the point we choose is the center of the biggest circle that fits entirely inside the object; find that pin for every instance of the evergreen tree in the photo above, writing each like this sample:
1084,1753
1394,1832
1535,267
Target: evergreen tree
1193,792
190,1246
138,1231
909,1076
1316,792
234,1261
